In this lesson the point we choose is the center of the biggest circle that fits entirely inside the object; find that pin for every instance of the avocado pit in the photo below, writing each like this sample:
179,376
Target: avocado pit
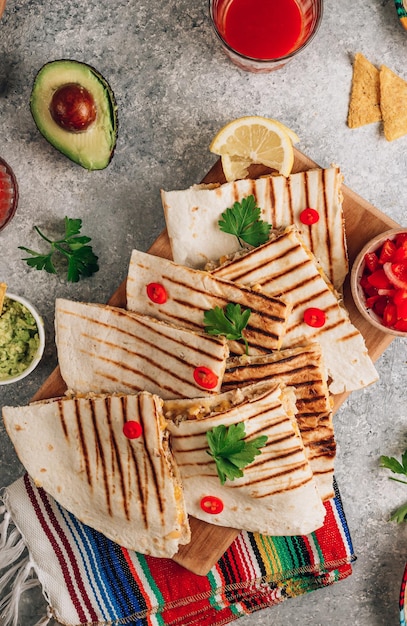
73,107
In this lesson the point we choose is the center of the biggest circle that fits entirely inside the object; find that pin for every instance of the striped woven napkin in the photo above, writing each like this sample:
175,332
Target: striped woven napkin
89,580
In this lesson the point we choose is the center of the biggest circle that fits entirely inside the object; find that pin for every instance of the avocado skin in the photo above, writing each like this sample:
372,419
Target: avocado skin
93,148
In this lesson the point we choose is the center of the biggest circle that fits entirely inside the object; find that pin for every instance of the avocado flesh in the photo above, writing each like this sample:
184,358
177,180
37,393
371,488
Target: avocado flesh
92,148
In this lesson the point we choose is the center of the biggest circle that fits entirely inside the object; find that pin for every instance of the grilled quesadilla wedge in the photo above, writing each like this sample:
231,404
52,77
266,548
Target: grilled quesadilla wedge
192,217
303,369
107,350
181,295
129,489
277,494
284,267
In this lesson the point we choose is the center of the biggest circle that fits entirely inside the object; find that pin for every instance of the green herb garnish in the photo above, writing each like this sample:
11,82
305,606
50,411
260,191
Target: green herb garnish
230,451
391,463
81,259
229,322
243,221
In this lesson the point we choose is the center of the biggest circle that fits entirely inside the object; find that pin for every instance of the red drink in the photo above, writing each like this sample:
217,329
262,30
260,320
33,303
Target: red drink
263,35
271,27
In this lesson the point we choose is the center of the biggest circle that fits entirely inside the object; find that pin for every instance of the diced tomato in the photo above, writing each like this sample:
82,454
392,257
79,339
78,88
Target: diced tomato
401,239
371,261
367,287
379,280
396,274
400,270
377,304
400,296
387,251
401,325
390,314
400,254
402,310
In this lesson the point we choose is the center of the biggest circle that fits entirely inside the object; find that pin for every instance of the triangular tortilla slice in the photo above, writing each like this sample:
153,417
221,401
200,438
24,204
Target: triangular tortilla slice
393,102
285,267
277,494
107,350
128,489
365,104
303,369
189,293
192,217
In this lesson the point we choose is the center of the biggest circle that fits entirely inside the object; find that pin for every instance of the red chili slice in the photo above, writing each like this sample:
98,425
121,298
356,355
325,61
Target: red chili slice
309,216
314,317
132,429
205,377
212,505
157,293
400,256
401,239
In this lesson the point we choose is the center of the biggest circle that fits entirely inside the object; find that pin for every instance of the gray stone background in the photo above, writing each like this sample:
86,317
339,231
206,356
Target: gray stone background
175,89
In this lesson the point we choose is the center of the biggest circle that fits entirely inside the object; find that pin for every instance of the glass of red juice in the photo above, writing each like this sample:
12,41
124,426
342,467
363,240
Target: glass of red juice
264,35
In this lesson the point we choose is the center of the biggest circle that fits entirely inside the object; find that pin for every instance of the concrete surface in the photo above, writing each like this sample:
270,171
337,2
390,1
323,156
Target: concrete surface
175,89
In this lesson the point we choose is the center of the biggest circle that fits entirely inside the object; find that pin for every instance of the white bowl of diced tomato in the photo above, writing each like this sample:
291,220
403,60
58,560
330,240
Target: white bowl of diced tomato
379,281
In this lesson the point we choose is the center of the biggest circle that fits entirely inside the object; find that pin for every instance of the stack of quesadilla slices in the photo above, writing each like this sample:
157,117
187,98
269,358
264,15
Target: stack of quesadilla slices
284,267
301,368
277,494
126,450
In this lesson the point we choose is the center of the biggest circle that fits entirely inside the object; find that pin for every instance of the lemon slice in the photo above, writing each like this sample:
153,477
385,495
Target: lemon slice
254,139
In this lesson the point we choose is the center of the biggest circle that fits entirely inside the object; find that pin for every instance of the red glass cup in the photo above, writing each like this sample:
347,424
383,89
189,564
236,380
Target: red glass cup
8,193
308,18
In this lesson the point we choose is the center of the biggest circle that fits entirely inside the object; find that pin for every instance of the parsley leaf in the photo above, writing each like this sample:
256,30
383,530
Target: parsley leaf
243,221
391,463
82,261
230,451
229,322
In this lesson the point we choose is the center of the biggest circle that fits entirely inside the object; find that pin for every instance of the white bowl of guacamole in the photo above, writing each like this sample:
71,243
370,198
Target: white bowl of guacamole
22,339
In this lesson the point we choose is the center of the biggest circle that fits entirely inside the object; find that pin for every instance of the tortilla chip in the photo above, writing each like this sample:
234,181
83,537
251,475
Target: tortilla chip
3,289
364,106
393,103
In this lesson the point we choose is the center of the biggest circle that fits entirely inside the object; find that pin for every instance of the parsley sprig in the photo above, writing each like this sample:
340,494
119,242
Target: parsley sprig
243,221
391,463
230,322
82,261
230,451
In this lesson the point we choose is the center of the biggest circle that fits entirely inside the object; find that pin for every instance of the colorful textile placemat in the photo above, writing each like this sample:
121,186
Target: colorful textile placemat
89,580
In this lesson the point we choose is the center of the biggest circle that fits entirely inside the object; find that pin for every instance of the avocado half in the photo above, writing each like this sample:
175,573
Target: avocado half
92,147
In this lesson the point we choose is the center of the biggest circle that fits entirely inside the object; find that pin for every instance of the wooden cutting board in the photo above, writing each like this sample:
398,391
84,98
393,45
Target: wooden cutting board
362,221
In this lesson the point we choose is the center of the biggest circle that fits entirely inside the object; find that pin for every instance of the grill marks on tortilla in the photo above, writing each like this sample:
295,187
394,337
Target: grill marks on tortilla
281,467
118,350
317,189
106,457
302,283
191,292
302,368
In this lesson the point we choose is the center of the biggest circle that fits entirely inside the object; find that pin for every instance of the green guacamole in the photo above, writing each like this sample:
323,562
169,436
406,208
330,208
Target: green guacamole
19,339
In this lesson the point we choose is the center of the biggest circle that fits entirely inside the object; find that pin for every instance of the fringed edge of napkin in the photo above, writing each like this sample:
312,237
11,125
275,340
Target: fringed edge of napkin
18,568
